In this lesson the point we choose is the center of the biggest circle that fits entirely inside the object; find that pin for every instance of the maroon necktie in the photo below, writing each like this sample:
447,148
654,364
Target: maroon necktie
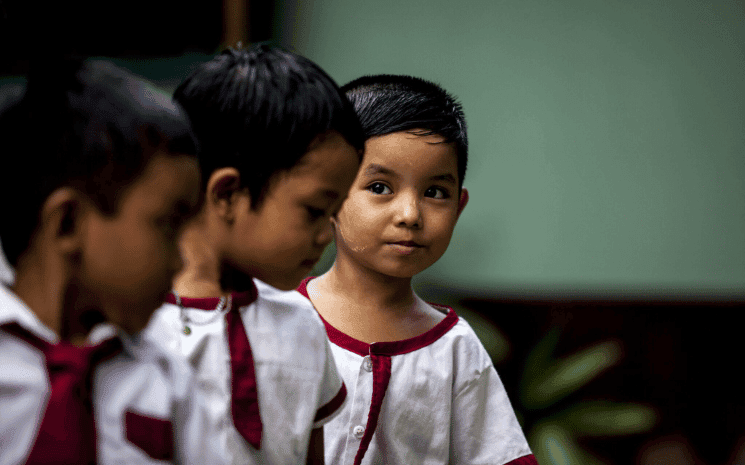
245,400
67,434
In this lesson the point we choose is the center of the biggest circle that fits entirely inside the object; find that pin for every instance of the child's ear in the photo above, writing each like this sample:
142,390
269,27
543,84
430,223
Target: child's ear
61,220
463,201
222,189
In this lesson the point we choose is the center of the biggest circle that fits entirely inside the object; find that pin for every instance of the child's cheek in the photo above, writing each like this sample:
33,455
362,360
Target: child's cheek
347,237
359,232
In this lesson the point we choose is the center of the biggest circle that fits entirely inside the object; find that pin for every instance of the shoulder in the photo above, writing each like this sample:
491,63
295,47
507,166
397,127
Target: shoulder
289,312
288,305
290,300
162,362
163,329
469,356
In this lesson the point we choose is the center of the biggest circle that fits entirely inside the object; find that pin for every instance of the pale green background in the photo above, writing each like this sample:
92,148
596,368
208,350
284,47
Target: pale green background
607,138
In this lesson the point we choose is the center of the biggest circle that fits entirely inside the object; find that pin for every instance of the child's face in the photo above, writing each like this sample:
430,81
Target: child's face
281,240
129,260
402,207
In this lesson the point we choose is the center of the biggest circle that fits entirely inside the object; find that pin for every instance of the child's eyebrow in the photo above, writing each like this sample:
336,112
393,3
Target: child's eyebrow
374,169
444,177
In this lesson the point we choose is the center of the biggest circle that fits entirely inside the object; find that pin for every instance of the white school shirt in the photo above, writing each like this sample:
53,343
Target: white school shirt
142,388
299,387
430,400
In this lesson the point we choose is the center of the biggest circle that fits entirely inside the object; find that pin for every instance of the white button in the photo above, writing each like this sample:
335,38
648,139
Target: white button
358,431
367,363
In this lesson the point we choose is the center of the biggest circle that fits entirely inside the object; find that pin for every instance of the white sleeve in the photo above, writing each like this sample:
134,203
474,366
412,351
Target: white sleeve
333,391
484,428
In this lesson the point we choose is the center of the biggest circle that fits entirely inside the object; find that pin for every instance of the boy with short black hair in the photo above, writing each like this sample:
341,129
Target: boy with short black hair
423,388
100,175
280,146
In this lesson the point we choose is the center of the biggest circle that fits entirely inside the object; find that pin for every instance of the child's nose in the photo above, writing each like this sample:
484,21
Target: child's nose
408,210
326,235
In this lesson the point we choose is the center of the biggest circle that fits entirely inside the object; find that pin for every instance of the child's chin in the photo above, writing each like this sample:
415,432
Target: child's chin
399,272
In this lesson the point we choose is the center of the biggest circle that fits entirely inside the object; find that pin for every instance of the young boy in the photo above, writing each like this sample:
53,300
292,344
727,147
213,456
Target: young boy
280,148
423,389
104,174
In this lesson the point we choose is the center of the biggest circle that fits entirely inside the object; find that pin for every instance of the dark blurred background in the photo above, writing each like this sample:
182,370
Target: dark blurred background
602,256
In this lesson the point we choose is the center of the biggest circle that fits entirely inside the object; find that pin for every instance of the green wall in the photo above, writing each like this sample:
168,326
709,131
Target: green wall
607,138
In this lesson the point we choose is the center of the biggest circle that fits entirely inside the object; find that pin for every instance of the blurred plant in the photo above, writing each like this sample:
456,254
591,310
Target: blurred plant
676,449
546,380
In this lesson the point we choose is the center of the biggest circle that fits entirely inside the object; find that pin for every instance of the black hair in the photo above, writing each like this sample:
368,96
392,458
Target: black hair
259,109
84,124
388,103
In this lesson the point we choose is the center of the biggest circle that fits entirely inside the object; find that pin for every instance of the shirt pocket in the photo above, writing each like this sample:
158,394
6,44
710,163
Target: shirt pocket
153,436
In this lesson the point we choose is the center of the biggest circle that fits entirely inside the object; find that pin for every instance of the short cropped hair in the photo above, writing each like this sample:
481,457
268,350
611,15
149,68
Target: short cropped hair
88,125
259,109
388,103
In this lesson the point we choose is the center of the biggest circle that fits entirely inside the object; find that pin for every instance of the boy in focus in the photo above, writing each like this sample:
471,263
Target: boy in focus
423,389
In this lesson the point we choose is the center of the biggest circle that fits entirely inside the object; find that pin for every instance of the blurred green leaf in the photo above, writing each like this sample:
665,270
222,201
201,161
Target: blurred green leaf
546,380
569,374
493,339
605,418
542,354
553,444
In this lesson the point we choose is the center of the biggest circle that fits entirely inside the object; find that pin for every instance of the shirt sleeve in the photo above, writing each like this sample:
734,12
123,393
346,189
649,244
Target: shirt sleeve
333,391
484,427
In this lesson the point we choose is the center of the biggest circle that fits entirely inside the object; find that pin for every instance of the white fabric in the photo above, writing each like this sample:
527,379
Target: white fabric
7,274
444,404
143,379
295,371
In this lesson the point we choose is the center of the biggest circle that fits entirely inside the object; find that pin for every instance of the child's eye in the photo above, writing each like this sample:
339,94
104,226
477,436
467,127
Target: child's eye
379,188
437,193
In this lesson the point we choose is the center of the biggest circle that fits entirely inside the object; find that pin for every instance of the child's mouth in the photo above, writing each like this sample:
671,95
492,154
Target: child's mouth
407,243
405,247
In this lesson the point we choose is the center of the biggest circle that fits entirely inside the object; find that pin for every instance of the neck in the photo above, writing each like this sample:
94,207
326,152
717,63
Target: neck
206,273
200,275
44,285
369,289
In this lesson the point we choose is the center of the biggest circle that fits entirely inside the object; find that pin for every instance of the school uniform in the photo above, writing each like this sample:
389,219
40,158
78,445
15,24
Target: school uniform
117,400
289,383
432,399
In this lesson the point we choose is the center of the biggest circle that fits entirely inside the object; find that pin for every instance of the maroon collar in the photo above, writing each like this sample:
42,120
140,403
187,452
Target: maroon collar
385,348
240,299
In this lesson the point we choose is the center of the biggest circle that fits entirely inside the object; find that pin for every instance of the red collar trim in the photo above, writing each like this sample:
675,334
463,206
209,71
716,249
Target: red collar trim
240,299
386,348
